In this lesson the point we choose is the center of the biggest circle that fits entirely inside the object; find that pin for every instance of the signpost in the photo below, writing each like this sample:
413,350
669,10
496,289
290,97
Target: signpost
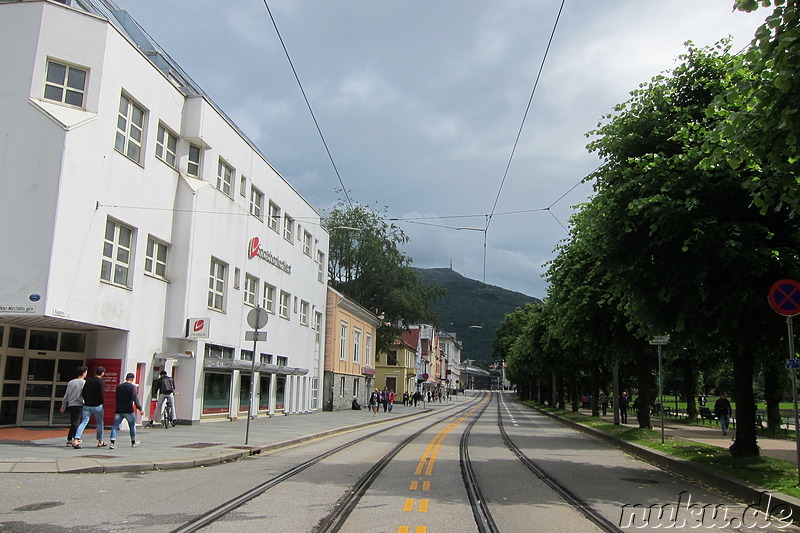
257,318
784,297
660,340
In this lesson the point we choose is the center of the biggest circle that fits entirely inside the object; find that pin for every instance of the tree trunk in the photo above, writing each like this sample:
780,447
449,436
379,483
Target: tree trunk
774,380
745,444
644,379
560,392
690,388
573,394
595,388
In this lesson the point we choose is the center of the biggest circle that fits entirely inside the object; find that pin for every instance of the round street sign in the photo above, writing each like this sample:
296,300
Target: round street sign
257,318
424,376
784,297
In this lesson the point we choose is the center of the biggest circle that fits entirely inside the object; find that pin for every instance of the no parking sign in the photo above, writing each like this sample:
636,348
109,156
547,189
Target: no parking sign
784,297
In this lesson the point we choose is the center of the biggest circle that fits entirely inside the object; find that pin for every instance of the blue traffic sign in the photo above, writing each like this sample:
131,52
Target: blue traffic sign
784,297
793,364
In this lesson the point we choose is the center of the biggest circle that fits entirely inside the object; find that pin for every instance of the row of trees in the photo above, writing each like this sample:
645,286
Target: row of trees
693,218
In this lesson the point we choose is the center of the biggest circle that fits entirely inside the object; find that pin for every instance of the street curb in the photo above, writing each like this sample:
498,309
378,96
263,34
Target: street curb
741,489
211,460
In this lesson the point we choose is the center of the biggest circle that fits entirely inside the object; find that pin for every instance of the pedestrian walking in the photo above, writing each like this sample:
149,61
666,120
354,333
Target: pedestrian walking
391,399
73,404
127,404
623,407
723,411
406,399
603,398
93,393
385,399
374,401
417,397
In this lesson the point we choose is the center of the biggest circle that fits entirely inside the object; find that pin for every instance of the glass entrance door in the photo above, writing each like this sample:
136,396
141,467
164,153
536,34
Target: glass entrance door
39,384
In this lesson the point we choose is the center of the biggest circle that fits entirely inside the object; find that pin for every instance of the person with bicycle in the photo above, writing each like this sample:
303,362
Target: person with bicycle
165,388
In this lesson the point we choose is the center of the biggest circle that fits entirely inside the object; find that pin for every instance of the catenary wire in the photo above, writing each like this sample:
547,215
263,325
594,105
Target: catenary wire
308,104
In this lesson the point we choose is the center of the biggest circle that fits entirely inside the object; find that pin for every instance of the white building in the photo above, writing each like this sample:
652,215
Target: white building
140,228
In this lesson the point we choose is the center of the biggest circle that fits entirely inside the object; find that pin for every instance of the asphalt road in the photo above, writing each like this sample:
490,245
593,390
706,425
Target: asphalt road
420,489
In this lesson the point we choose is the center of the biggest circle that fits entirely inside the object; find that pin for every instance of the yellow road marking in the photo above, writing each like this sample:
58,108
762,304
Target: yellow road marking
422,529
409,504
414,485
403,529
423,505
426,485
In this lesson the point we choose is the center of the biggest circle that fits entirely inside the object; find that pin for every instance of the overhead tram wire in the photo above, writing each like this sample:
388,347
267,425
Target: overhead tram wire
519,134
308,104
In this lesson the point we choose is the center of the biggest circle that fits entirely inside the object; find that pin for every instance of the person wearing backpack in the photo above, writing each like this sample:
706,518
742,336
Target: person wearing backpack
165,388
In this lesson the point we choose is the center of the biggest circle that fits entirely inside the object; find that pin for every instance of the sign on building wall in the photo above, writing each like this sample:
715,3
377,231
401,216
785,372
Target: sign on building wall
198,328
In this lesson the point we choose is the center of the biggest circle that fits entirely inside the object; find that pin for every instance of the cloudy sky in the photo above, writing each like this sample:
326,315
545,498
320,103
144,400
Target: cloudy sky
420,103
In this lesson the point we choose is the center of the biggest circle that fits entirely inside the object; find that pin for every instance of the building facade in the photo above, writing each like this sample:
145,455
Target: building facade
349,352
396,368
142,227
450,356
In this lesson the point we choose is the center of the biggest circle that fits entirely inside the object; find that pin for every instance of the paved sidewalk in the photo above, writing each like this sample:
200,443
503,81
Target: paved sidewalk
44,450
710,433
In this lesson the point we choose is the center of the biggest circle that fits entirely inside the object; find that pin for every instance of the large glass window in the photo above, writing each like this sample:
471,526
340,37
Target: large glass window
73,342
216,285
130,129
65,84
304,308
166,146
213,351
263,393
155,260
43,340
216,392
117,247
368,351
320,267
288,228
308,243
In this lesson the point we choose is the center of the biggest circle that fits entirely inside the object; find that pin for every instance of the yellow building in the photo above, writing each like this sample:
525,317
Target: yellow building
397,368
349,352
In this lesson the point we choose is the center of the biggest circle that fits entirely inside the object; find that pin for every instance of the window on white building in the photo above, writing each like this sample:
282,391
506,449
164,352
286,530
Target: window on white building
166,146
65,83
268,301
155,259
308,243
274,217
282,360
317,327
314,393
356,345
304,312
368,351
195,158
224,177
117,253
216,285
288,228
213,351
256,203
343,342
320,267
250,290
130,129
283,305
243,186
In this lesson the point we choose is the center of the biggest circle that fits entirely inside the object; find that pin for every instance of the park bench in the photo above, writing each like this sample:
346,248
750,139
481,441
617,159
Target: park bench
707,414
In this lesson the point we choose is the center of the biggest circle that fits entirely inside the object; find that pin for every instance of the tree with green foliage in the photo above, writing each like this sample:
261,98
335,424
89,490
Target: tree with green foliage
365,263
691,254
759,114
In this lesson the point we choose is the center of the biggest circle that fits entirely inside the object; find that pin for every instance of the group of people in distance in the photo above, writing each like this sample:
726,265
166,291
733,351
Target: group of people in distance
84,397
386,398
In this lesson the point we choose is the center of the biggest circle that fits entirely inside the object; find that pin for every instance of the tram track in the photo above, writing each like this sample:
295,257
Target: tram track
345,505
559,488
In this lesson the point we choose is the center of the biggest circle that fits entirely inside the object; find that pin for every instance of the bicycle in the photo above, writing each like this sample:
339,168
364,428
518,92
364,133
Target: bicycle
166,415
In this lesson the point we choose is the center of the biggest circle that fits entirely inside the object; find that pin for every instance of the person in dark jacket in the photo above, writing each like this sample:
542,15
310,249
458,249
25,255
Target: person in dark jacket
73,403
723,410
127,399
165,388
93,392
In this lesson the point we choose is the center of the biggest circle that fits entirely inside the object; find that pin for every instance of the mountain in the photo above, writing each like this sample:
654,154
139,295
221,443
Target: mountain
472,309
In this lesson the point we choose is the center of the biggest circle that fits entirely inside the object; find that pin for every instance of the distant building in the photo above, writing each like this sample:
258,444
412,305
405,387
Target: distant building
396,368
450,355
141,226
349,352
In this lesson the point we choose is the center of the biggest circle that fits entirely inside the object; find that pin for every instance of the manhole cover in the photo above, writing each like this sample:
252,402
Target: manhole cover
640,480
38,506
198,445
